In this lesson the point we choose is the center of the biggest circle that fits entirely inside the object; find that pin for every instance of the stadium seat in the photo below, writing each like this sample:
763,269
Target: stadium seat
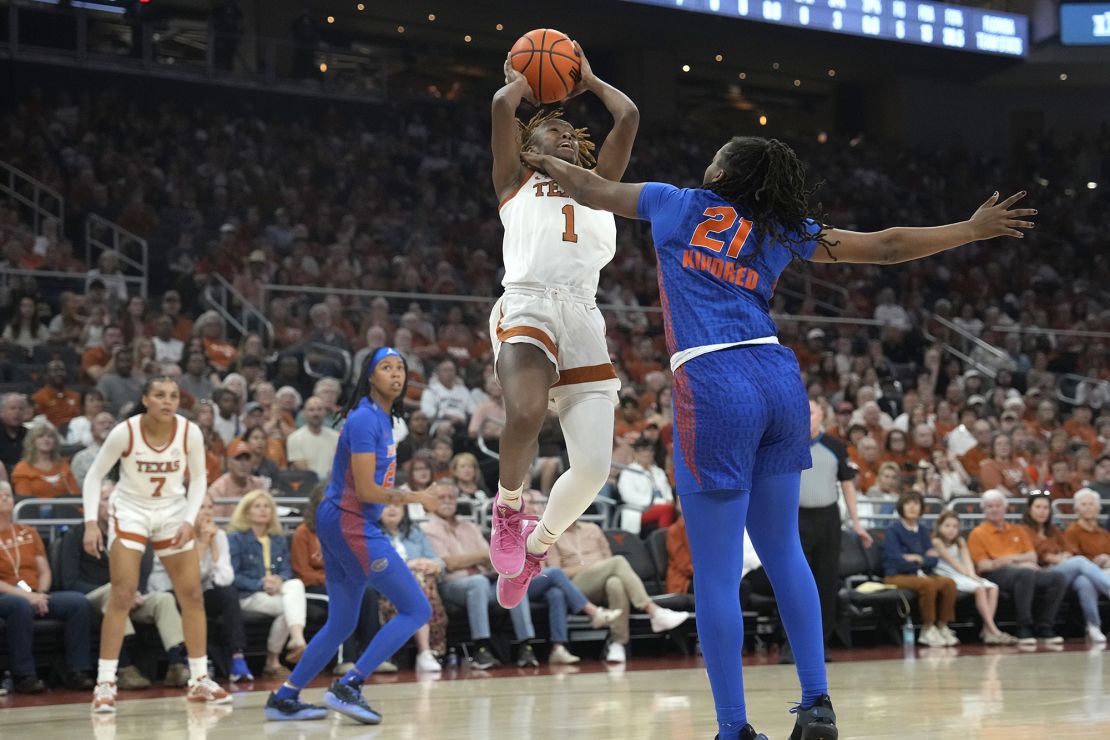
295,482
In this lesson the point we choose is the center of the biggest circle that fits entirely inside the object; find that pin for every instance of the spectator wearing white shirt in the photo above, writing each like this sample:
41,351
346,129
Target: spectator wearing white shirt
107,272
312,447
447,399
646,496
890,313
102,424
167,348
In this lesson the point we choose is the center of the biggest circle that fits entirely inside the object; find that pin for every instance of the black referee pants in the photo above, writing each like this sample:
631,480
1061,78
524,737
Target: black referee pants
819,529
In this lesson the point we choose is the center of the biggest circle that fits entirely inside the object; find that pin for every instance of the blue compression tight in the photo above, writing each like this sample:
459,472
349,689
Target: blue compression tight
396,583
715,522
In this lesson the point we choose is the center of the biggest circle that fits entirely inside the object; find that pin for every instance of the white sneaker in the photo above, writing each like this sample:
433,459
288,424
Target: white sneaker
561,656
386,667
426,661
931,637
104,698
1094,634
605,617
665,619
949,636
615,653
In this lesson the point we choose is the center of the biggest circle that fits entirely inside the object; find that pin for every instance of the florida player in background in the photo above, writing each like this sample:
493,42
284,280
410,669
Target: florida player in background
548,335
740,408
157,450
356,552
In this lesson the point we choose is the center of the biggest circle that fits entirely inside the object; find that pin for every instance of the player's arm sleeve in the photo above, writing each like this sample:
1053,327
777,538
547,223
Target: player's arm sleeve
119,439
810,246
198,472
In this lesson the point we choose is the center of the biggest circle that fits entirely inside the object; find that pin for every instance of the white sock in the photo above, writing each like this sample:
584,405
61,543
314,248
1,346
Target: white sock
198,667
106,670
512,499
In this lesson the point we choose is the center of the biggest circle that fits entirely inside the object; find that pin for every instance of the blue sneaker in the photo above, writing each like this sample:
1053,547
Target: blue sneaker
347,699
291,710
239,671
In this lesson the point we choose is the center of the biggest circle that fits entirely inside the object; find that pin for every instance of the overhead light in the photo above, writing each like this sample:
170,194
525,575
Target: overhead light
1092,185
431,16
467,38
719,58
797,83
774,65
763,120
499,27
400,29
361,7
331,19
832,73
323,66
685,67
1063,77
743,75
822,137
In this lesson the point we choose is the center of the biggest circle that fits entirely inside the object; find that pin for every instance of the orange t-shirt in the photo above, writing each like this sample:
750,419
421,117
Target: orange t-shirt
27,480
306,557
94,356
58,406
988,542
220,354
20,546
1087,544
680,566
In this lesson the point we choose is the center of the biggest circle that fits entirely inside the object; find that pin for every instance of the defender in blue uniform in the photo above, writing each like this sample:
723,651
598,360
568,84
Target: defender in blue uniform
356,551
740,410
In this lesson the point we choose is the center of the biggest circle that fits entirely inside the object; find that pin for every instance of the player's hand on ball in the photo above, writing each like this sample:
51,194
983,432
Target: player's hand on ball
587,78
512,77
998,219
94,540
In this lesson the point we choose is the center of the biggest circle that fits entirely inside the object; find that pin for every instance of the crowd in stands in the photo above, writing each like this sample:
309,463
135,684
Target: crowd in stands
328,203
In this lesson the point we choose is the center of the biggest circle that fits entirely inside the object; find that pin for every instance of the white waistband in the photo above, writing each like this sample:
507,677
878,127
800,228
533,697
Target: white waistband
556,292
679,358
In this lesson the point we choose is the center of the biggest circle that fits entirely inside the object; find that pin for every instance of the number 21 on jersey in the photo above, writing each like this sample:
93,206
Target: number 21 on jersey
720,219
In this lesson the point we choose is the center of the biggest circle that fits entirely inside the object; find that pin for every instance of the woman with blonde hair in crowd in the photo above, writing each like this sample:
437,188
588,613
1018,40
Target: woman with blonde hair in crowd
209,327
264,577
43,472
468,476
954,561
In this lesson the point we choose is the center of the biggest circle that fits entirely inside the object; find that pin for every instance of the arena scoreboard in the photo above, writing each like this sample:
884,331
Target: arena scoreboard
909,21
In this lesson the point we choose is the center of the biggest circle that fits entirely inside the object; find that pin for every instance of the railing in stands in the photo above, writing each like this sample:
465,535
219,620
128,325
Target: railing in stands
42,201
221,296
1075,389
1052,332
961,353
103,235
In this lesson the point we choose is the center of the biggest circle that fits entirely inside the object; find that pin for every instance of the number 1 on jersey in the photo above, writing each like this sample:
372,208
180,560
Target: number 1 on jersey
568,232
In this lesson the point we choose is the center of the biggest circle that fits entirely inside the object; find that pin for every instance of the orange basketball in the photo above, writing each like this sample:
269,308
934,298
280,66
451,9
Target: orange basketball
547,60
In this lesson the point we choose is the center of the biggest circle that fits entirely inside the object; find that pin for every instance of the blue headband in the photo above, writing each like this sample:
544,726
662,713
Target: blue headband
380,355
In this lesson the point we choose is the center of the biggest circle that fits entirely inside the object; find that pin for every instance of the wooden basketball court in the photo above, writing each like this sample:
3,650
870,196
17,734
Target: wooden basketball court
941,693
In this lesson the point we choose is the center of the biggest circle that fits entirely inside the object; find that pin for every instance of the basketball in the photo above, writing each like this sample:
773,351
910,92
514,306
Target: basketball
547,60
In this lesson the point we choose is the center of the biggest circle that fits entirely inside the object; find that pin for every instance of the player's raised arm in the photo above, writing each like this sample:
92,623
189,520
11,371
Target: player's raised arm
612,159
505,144
587,188
902,244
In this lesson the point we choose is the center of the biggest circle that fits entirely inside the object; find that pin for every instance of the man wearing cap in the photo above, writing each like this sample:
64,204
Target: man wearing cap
312,447
237,480
841,422
53,401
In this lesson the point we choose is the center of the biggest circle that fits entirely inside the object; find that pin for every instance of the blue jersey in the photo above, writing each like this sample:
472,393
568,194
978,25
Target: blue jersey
715,284
368,429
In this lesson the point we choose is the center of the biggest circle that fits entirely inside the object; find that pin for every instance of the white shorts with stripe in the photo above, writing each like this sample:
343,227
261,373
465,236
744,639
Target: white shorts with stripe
566,324
137,526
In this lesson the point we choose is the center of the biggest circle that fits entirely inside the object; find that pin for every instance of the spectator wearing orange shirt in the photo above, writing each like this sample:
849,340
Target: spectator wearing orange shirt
25,596
1005,554
1085,537
1079,426
975,455
43,472
897,450
680,566
1001,470
53,401
210,328
171,307
630,420
95,360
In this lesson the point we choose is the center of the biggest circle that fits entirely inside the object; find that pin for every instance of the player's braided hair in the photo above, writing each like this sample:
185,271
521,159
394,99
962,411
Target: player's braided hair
767,178
582,135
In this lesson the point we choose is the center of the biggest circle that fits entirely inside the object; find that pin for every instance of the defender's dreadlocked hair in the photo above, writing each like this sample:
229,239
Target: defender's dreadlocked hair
765,177
585,145
362,389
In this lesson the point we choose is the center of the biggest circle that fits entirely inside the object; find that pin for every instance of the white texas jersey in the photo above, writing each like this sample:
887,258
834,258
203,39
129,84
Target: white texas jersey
552,240
151,476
